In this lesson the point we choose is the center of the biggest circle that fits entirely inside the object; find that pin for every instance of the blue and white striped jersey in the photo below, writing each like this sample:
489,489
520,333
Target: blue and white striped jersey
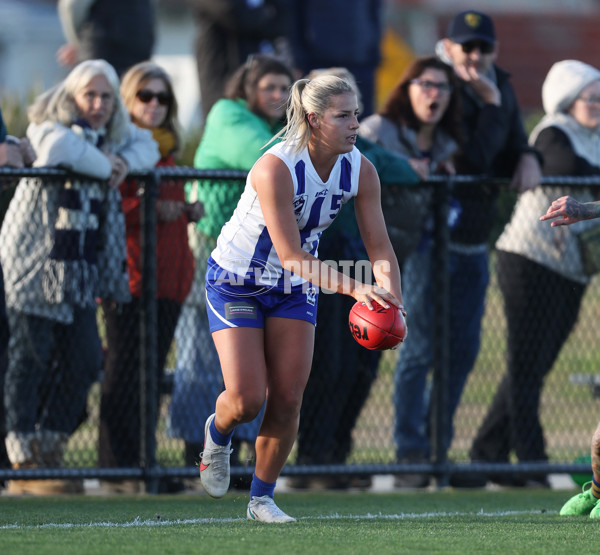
244,247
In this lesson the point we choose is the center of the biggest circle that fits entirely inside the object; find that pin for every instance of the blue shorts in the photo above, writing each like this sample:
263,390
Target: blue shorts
247,306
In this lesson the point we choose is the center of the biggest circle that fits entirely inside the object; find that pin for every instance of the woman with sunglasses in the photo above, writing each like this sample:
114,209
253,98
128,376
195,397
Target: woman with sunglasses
420,121
148,96
236,131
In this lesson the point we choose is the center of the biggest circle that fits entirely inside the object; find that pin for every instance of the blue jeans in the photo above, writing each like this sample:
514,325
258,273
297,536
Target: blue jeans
50,370
415,357
469,277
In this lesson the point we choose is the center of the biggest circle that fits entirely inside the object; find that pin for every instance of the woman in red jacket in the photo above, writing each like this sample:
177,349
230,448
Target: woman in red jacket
148,95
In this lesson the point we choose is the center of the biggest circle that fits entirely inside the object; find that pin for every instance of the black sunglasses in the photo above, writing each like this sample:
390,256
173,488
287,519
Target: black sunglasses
484,47
145,96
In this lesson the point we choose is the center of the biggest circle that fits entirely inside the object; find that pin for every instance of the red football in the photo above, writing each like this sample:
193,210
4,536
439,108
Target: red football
379,329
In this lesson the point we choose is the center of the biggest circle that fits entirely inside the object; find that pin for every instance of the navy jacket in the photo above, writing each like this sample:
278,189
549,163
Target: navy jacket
118,31
494,140
3,319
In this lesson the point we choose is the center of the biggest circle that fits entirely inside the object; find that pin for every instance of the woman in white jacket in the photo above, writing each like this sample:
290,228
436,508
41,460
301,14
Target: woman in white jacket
541,271
62,245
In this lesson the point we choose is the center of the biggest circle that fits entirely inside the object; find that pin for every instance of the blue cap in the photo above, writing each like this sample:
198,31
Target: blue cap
471,25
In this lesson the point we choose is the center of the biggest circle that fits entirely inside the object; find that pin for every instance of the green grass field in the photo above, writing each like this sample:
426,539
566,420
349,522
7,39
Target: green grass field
509,521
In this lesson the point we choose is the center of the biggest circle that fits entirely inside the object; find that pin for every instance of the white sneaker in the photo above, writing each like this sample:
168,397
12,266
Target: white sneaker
214,464
263,509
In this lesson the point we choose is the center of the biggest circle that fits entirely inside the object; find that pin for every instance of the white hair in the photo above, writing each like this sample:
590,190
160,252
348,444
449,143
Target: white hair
564,82
58,103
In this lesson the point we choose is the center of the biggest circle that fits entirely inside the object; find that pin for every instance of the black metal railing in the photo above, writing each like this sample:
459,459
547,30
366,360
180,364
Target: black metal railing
152,467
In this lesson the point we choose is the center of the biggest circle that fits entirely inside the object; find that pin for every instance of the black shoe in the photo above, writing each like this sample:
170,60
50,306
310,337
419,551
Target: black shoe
127,487
518,481
320,482
171,485
244,456
191,453
542,483
298,482
361,481
335,482
242,483
472,480
4,460
412,481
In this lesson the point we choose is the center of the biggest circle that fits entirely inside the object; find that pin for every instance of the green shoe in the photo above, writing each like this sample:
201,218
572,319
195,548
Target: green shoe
582,503
595,511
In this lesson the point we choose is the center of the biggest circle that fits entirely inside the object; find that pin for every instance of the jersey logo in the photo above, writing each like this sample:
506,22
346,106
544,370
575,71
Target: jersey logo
311,296
300,206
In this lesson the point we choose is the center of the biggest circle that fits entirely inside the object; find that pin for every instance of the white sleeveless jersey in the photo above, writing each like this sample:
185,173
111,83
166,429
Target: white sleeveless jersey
244,247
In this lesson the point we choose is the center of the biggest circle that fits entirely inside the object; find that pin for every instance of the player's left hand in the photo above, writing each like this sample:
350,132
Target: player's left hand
367,293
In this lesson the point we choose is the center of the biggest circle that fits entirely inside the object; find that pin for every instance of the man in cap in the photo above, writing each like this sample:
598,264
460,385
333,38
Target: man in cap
495,144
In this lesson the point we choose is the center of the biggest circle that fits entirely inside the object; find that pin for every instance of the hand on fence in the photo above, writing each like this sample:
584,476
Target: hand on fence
11,155
120,169
27,151
195,211
528,174
421,167
447,167
169,210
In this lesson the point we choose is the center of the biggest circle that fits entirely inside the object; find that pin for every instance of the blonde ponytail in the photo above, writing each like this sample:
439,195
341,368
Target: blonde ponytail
309,96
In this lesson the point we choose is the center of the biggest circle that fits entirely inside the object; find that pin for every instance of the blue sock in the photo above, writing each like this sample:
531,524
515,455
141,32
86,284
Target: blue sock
258,488
218,437
595,488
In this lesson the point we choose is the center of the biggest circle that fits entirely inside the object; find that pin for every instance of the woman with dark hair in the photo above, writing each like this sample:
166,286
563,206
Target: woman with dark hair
427,106
237,128
421,121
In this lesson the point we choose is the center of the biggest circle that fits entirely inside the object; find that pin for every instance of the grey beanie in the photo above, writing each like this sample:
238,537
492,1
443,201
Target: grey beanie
564,82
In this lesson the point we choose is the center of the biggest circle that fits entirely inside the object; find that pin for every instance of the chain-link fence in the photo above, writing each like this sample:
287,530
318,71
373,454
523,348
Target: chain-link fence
153,419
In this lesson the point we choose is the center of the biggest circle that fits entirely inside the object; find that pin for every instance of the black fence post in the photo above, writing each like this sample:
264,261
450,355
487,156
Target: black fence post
148,332
441,300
